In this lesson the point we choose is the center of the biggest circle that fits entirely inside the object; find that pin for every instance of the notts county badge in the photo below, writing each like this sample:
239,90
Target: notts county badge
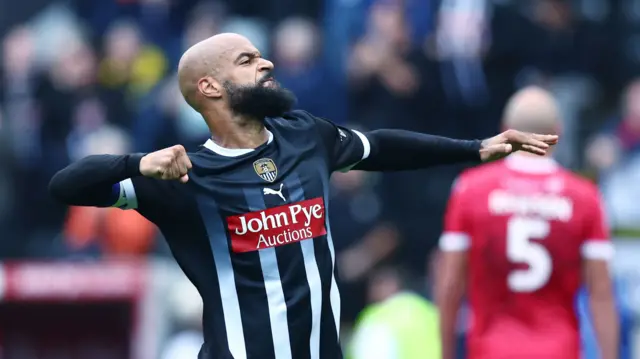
266,169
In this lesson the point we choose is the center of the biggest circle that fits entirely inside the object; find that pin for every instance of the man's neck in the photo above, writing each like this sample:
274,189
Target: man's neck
236,132
548,155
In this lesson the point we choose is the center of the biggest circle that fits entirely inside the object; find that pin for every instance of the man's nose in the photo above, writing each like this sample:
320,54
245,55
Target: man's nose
265,65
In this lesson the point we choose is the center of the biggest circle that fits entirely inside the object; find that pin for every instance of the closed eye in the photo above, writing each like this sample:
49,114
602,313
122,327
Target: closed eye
246,58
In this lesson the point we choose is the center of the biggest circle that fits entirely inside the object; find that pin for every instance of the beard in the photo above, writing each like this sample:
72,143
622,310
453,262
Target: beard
257,101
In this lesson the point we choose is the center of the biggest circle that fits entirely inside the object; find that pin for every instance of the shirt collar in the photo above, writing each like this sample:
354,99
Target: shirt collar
232,152
530,164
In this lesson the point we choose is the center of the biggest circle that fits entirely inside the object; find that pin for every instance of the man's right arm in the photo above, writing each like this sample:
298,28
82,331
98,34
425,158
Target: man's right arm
99,180
108,180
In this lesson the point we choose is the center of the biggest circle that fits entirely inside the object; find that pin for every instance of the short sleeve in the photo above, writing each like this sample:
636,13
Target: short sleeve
596,239
455,236
346,147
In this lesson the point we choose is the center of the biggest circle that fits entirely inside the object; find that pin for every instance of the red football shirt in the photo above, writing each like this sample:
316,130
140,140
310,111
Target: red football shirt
527,224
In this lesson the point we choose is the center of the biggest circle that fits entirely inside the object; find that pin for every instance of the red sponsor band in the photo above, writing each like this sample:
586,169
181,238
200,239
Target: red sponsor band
277,226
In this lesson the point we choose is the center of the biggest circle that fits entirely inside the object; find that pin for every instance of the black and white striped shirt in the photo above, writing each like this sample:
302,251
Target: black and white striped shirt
251,231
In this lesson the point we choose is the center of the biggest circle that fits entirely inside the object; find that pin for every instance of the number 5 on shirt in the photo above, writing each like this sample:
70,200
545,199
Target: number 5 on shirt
523,236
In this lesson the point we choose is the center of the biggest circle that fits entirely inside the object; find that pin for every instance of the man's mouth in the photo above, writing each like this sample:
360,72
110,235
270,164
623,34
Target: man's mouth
269,82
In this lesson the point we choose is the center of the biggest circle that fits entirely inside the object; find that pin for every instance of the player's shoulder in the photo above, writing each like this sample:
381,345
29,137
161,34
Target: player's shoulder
201,152
300,115
579,186
207,160
296,119
480,176
483,170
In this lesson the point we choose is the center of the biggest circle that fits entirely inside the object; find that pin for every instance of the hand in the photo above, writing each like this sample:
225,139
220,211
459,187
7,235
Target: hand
168,164
510,141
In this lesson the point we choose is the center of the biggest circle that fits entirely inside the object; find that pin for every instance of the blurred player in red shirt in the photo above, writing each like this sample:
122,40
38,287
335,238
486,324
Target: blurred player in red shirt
521,236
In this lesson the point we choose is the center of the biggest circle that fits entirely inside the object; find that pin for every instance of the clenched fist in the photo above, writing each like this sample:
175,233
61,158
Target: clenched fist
168,164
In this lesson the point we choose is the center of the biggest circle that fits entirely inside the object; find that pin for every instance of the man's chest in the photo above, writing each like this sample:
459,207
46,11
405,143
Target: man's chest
267,201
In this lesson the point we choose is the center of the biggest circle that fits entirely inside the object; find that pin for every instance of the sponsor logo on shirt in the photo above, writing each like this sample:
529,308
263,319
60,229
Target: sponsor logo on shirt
277,226
268,191
266,169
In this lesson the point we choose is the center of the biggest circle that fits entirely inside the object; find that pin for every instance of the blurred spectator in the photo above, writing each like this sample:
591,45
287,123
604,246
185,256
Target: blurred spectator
613,155
398,324
19,90
163,117
187,338
461,41
166,119
107,231
129,69
205,20
254,29
622,133
362,242
381,54
628,131
603,153
392,86
297,46
19,121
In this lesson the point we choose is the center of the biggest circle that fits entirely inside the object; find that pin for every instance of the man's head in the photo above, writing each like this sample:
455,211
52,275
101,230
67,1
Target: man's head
534,110
226,71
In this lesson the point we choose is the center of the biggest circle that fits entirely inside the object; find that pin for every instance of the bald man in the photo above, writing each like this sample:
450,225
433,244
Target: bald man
521,236
245,216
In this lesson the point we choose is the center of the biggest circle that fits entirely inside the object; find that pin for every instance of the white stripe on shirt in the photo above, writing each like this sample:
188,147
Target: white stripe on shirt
315,292
277,303
229,295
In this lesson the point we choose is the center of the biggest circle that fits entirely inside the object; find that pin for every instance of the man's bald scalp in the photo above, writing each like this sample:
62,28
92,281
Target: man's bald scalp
201,60
532,109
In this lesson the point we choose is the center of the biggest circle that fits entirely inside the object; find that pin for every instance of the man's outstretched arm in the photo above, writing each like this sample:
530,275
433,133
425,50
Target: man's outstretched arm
399,150
100,180
394,150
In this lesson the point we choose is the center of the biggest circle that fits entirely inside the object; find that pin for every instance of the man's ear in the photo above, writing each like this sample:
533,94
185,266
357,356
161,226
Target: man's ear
209,87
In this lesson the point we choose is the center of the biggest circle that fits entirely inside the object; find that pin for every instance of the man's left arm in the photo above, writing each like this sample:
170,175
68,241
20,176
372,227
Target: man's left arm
399,150
597,252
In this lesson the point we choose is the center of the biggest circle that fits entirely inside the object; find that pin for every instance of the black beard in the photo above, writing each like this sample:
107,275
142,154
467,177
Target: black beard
259,102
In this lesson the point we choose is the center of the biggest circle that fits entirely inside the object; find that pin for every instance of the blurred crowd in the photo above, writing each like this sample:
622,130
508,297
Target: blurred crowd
86,77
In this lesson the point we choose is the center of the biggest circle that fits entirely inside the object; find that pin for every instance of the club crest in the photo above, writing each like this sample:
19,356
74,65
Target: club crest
266,169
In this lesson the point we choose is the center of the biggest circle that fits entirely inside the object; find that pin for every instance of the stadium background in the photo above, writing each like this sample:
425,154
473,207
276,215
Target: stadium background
98,76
